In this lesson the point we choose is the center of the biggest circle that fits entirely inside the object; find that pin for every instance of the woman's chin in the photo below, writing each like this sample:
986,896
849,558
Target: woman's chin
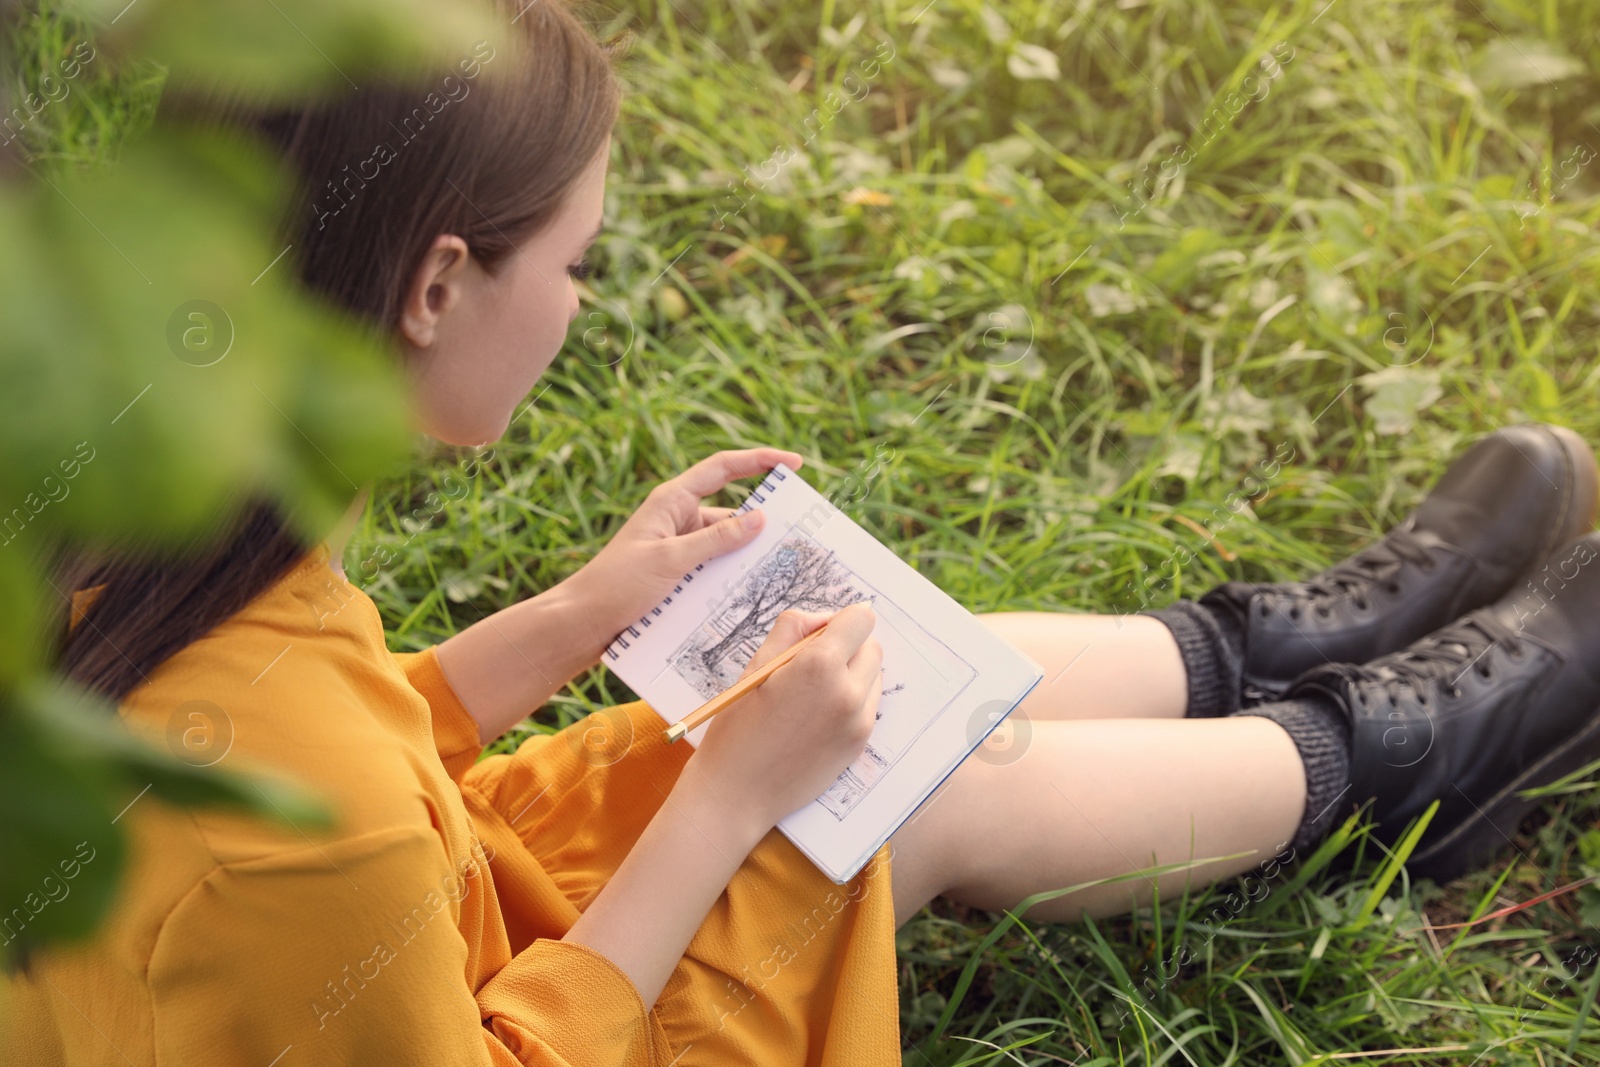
469,435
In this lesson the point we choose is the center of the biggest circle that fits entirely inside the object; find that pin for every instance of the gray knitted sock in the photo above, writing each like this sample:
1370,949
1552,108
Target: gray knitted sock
1211,644
1317,725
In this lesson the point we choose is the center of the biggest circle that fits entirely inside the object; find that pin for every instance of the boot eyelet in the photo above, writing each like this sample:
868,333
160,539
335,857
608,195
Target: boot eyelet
1486,675
1517,653
1294,613
1394,587
1362,605
1322,611
1453,693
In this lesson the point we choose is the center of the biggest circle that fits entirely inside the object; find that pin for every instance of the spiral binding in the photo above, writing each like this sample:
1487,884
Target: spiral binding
613,650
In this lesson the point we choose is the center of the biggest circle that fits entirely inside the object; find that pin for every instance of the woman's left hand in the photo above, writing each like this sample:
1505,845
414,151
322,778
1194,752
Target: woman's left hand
669,535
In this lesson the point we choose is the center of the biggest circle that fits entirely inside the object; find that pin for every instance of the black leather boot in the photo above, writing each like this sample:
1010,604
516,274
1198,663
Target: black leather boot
1504,699
1501,508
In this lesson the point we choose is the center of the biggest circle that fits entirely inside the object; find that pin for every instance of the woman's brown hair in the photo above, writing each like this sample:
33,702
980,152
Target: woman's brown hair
490,159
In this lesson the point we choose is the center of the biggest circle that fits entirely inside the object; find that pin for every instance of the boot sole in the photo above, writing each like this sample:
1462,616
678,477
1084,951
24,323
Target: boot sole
1473,843
1583,508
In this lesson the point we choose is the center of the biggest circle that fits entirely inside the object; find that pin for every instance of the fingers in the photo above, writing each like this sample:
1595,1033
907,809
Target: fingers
847,629
719,537
867,659
789,628
717,470
866,669
848,638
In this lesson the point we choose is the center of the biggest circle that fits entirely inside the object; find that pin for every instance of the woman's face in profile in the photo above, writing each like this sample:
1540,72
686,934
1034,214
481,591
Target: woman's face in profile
476,343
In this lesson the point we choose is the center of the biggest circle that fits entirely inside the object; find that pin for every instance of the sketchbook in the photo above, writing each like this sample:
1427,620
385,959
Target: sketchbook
948,680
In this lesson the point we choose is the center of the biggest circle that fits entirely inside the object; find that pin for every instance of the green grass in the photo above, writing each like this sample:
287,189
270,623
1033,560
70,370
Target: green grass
1342,270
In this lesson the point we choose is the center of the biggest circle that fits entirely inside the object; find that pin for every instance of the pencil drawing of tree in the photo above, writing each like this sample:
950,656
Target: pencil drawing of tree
797,574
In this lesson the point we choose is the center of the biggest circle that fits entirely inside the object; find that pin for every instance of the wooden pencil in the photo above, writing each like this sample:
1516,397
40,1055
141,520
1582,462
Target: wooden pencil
738,689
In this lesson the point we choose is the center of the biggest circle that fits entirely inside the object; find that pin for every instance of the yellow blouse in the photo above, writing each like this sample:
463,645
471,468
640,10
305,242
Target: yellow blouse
425,927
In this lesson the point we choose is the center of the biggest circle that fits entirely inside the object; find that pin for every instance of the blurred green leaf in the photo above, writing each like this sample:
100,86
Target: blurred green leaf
21,647
160,356
69,770
80,723
60,851
287,50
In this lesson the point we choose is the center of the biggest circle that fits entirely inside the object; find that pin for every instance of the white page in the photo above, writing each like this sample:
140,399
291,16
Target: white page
947,679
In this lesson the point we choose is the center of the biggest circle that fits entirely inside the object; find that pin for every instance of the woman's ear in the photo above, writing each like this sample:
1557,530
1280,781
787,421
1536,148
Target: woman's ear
436,288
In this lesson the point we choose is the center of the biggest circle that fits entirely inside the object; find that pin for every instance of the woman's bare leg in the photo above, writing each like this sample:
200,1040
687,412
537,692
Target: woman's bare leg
1097,666
1096,798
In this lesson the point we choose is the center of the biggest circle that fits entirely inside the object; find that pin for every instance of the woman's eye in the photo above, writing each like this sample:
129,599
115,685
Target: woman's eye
581,270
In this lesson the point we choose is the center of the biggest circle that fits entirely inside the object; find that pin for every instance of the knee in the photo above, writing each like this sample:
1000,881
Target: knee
934,849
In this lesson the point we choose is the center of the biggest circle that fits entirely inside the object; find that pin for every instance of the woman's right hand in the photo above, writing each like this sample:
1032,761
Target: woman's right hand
778,747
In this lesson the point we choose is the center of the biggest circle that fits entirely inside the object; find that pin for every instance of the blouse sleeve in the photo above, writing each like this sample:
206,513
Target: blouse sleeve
348,952
455,731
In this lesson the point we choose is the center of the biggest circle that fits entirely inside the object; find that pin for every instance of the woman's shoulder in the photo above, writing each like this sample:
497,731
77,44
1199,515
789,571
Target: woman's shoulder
298,684
299,687
308,638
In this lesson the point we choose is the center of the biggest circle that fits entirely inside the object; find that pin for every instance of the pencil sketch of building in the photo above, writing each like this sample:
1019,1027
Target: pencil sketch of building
797,573
854,783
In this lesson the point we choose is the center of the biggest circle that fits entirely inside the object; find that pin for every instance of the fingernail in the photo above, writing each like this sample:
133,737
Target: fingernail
751,520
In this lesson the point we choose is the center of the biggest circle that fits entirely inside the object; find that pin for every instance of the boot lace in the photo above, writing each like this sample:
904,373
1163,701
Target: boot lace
1439,661
1378,562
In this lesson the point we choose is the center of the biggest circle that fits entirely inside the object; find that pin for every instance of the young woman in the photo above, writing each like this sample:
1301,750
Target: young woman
600,897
